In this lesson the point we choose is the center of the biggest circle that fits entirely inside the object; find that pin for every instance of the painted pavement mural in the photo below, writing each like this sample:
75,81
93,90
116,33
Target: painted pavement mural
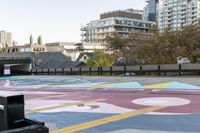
110,104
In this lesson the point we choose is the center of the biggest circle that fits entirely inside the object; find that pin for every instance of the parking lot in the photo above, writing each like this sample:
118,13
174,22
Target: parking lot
110,104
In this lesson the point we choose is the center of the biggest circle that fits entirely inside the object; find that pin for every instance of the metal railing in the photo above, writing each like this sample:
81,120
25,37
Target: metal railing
115,70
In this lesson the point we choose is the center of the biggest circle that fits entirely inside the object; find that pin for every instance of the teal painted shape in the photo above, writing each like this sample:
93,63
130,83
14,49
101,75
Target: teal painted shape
127,85
9,78
5,78
178,85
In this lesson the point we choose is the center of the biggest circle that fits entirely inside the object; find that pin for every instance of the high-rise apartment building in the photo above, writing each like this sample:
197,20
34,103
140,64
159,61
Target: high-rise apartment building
122,22
151,10
6,39
178,13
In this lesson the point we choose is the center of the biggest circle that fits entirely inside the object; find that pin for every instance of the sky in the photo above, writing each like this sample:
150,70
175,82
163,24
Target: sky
55,20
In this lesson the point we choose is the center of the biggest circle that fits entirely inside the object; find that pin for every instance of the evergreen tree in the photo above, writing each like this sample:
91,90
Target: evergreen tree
31,39
39,41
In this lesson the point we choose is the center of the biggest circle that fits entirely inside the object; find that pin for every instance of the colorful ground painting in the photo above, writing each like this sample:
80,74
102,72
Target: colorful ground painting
110,104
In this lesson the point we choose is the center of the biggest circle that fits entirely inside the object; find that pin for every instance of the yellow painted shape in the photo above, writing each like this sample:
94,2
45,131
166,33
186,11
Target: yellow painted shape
158,86
64,105
106,120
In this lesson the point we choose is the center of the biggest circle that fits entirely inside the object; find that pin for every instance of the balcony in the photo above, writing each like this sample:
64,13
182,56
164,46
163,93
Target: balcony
194,11
183,8
83,29
194,20
194,6
84,40
83,34
183,13
183,16
183,21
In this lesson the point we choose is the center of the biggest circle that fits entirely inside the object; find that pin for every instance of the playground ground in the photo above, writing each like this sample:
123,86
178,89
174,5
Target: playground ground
110,104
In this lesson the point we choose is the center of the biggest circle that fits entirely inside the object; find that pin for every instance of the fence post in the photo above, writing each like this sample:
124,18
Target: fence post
98,71
110,70
158,70
36,71
179,69
48,71
124,70
42,72
55,71
71,71
63,71
80,71
101,71
90,71
141,73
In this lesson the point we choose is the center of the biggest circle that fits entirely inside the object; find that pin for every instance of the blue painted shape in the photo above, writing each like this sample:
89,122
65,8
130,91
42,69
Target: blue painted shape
171,123
178,85
51,81
65,119
127,85
89,84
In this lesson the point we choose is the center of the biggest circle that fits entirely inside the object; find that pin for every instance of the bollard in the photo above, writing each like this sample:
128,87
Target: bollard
12,118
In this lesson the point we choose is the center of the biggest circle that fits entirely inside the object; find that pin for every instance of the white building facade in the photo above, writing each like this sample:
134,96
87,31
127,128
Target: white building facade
122,22
73,49
96,31
6,39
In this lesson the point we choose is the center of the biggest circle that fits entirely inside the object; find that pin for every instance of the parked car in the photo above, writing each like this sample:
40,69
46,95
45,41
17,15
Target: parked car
181,60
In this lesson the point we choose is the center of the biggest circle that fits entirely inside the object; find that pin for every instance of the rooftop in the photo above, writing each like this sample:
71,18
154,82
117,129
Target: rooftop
129,13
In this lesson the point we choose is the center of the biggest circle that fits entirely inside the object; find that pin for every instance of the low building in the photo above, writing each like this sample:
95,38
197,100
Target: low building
70,49
83,57
29,47
54,47
24,48
73,49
